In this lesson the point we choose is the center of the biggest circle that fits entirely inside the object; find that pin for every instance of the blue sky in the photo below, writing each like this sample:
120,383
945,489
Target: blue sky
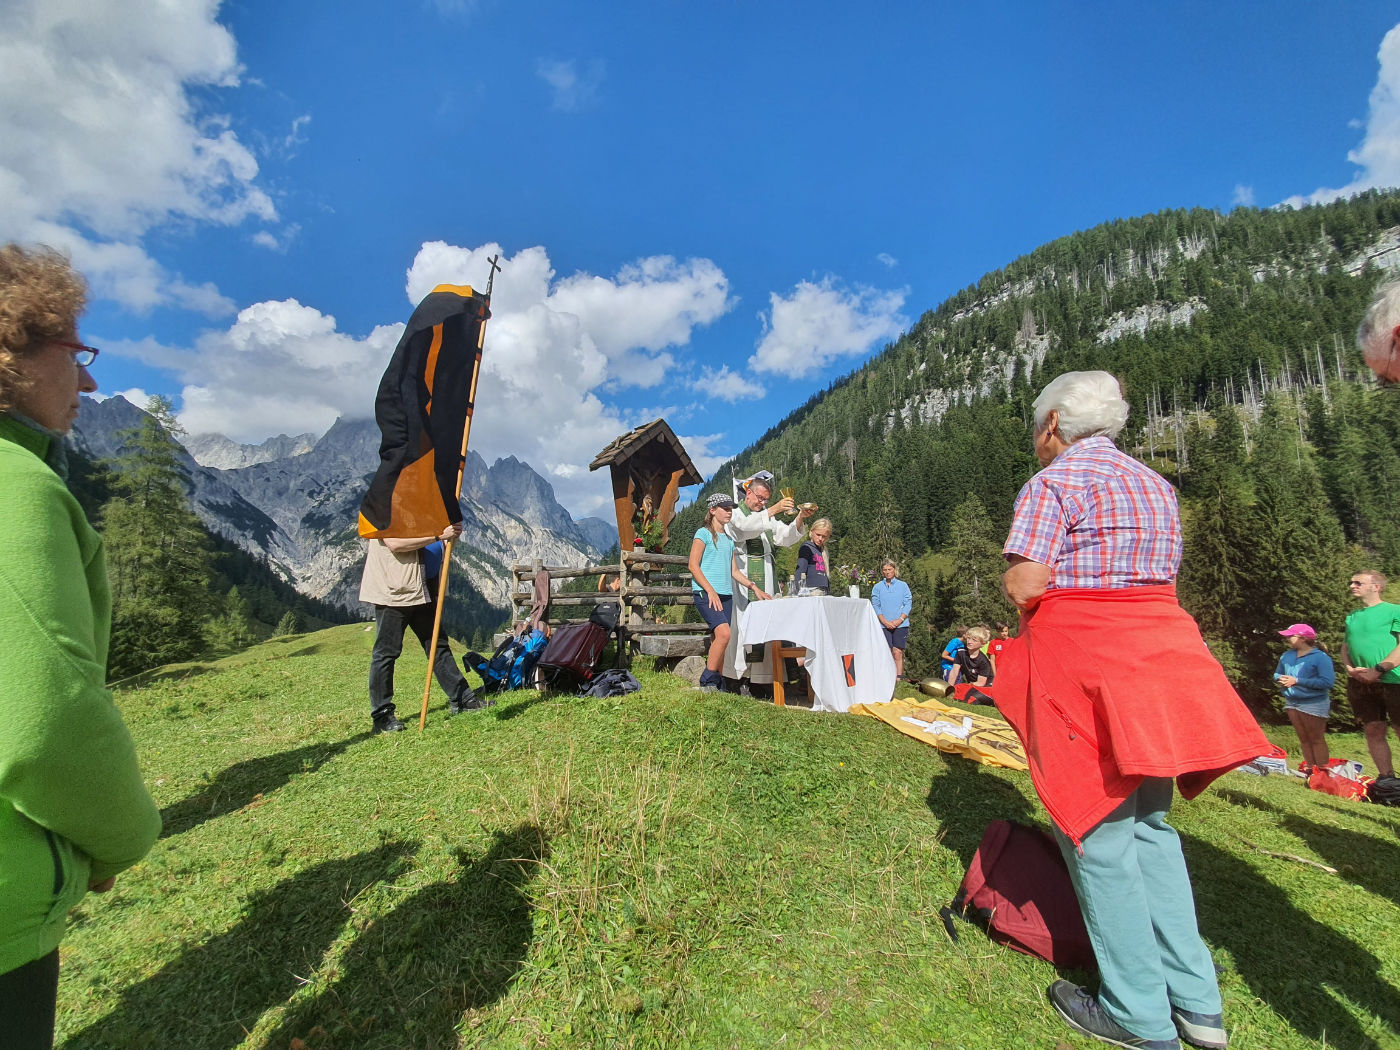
707,211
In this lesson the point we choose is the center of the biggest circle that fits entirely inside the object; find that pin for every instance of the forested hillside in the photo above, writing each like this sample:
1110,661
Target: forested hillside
1233,336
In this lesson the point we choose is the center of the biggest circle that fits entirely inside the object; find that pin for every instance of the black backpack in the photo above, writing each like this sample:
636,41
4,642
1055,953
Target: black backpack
1385,791
606,616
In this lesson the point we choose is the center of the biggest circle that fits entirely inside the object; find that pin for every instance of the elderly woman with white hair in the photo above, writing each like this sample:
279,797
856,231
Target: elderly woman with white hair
1126,699
1379,334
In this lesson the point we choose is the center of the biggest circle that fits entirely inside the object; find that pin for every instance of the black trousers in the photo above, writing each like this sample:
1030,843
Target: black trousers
390,622
28,999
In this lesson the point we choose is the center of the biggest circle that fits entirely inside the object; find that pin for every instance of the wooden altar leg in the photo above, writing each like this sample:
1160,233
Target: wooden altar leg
778,651
779,690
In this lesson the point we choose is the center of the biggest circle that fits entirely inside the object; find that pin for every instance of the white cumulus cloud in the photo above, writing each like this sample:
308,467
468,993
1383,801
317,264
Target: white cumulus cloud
1378,157
887,260
552,348
101,140
726,384
821,321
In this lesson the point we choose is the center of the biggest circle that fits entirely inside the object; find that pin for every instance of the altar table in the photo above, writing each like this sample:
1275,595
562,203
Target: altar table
848,659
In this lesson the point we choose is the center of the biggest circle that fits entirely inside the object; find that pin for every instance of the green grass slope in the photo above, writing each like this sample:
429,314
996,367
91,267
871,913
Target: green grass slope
668,869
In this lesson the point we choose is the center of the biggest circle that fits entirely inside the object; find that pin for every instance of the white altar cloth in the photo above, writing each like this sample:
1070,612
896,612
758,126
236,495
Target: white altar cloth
847,657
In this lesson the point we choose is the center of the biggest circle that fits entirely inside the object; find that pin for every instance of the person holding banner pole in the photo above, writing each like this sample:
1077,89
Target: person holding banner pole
403,591
424,410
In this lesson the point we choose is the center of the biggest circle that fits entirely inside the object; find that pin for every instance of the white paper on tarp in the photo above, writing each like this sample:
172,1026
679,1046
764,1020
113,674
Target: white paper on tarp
831,629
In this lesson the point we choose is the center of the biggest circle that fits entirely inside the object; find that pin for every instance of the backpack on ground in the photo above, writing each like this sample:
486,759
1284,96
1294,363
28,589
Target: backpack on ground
523,669
1384,791
511,665
616,682
1017,887
1331,782
495,670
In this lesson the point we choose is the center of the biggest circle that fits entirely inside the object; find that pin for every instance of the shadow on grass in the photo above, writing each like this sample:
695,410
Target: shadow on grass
1297,965
967,797
210,996
1247,801
449,948
243,782
504,712
176,672
1368,861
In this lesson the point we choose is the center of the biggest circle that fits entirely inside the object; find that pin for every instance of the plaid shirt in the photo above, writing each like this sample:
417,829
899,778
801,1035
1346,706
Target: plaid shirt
1098,518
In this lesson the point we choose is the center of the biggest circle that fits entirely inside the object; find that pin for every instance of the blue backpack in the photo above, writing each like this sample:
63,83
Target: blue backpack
511,664
529,655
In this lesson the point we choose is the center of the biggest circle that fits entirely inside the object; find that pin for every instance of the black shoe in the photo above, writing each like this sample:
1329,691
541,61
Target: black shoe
471,703
385,721
1083,1013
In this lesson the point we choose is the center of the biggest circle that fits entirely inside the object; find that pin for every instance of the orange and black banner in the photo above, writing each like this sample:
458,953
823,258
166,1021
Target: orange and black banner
422,408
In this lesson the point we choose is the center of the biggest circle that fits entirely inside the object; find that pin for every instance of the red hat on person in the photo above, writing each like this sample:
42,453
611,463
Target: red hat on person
1302,630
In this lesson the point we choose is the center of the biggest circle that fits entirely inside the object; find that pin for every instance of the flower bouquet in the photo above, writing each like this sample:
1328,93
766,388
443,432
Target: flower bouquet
855,578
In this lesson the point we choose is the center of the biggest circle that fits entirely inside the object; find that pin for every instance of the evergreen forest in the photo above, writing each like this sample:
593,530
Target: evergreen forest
179,592
1234,339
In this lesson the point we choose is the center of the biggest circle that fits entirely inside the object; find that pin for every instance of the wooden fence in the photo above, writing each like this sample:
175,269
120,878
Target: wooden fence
646,582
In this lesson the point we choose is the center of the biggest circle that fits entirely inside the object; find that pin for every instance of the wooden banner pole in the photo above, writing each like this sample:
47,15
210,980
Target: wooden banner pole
461,468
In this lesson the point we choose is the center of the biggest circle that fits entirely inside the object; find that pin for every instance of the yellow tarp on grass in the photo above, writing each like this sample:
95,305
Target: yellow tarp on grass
987,740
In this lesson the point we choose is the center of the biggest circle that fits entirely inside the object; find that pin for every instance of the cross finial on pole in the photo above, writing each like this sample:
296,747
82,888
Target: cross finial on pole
492,278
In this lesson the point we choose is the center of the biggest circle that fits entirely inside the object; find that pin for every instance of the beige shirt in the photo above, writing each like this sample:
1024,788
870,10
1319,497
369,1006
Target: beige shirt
392,579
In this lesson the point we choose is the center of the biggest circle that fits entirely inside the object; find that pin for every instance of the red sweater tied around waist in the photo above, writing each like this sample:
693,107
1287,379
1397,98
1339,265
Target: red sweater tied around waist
1108,686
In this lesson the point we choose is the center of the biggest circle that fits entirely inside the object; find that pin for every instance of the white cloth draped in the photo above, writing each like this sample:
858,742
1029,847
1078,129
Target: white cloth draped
833,630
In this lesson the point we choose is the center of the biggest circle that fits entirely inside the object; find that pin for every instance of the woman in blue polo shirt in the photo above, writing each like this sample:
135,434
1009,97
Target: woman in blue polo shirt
713,571
893,602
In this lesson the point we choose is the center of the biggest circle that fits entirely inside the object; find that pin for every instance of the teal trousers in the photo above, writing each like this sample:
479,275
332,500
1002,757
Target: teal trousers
1133,888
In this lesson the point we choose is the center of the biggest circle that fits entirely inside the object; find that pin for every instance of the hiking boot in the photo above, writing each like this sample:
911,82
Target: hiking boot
1207,1030
1083,1013
471,703
385,721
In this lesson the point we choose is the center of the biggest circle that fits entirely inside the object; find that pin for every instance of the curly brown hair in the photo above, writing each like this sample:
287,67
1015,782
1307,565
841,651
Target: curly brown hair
41,297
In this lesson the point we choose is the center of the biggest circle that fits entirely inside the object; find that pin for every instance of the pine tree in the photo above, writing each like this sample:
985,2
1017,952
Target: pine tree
975,553
1299,556
233,630
1215,567
157,551
289,624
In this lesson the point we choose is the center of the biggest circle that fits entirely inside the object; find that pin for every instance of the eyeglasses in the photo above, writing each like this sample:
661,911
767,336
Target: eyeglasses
83,354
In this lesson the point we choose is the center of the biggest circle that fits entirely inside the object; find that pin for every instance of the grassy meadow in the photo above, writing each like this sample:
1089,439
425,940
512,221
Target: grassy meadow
667,869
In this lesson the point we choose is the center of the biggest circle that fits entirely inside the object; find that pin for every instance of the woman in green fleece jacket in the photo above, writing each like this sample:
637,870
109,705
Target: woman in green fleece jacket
73,808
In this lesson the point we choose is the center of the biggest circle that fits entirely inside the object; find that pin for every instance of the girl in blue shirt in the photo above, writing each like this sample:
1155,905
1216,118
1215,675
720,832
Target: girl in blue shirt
1306,675
713,570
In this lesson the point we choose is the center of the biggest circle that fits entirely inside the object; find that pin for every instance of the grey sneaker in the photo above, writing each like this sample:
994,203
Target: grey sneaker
1206,1030
1083,1013
471,702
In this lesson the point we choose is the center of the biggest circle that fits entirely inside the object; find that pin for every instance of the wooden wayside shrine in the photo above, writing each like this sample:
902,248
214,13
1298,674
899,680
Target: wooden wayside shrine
649,466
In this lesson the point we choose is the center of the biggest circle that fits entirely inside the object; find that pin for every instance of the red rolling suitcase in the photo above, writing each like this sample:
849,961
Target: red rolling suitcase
571,657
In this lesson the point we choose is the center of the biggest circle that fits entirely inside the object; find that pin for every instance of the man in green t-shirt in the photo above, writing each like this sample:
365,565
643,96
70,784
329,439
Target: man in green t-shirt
1371,655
